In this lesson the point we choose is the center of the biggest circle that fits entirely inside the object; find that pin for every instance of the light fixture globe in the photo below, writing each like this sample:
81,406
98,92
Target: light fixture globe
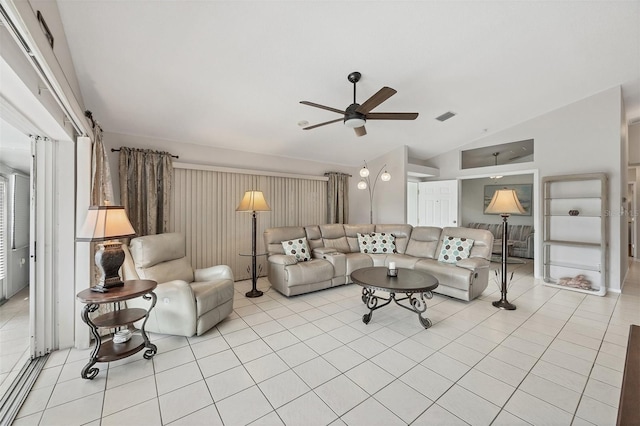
354,122
385,177
362,185
364,172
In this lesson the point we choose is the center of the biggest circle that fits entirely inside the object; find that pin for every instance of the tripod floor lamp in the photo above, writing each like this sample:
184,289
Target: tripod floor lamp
253,201
504,202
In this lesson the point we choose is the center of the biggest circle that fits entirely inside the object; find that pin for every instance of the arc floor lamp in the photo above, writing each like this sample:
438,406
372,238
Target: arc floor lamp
504,202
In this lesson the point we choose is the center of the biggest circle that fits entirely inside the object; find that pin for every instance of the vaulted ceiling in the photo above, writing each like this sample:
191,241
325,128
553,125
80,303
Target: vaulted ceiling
231,74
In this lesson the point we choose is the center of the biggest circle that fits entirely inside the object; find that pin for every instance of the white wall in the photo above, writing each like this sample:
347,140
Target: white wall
389,198
582,137
472,201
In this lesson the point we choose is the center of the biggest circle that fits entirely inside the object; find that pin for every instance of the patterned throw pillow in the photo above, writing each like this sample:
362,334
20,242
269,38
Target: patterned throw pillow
377,243
298,248
454,249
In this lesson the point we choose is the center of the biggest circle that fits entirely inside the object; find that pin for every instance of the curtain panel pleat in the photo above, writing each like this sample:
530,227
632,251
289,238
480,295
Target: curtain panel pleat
101,194
204,209
337,197
145,189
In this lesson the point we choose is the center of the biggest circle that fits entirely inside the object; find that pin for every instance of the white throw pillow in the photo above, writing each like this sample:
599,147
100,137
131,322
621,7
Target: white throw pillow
298,248
455,249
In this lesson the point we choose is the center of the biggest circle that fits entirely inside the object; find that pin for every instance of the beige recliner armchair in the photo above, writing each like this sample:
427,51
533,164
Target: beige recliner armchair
189,302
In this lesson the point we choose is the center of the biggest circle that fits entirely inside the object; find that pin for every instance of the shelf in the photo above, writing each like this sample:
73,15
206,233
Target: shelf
599,292
120,318
571,243
573,266
575,244
110,351
568,215
585,197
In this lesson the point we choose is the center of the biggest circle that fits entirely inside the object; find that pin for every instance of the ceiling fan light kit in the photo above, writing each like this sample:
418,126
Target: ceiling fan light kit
356,115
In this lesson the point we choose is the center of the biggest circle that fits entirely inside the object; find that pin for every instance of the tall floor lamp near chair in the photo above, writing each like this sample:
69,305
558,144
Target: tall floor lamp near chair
504,202
253,201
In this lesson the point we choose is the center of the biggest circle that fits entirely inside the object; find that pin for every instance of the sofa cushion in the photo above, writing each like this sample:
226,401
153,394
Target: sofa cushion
153,249
377,243
298,248
446,273
424,241
358,261
313,271
402,232
454,249
273,237
333,236
351,232
177,269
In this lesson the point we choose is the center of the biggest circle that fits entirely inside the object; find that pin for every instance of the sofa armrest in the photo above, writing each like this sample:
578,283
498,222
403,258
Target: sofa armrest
283,259
318,253
212,273
175,302
473,263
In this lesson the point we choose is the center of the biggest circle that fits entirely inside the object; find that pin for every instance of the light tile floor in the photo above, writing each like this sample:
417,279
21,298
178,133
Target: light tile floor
307,360
14,337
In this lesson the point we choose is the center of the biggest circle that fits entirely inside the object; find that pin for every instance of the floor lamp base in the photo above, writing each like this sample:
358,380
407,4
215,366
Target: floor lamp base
504,304
257,293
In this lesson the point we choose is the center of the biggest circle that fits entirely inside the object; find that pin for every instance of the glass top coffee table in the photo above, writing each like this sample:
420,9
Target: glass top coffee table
416,285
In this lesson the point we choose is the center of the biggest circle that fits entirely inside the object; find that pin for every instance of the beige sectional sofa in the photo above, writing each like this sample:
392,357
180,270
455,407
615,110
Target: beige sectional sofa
336,253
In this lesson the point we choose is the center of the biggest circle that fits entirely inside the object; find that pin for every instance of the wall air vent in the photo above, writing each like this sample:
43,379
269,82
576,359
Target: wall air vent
446,116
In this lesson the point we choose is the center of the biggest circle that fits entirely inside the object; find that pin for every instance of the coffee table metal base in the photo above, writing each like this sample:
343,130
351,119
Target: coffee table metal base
417,304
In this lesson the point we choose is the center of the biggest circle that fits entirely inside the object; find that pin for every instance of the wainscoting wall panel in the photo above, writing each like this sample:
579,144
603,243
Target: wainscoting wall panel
204,209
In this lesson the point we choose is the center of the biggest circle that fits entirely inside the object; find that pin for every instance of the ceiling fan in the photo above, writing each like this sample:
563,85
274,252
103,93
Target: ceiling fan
356,115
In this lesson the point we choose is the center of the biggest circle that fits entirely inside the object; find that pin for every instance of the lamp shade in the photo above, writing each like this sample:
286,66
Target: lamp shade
505,201
253,201
106,223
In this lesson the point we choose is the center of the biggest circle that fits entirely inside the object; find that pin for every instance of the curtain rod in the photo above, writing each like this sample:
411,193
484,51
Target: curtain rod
117,150
346,174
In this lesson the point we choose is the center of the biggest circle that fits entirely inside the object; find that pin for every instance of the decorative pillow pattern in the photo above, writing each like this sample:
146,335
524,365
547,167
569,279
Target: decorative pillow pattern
298,248
454,249
377,243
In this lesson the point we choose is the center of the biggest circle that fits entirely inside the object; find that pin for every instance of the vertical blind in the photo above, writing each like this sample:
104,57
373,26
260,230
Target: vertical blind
3,232
204,209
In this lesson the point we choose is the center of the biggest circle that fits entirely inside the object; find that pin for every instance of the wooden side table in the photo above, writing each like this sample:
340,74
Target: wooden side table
107,350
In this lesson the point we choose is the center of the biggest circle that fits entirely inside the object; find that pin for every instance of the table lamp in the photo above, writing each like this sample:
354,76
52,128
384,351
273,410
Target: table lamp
106,224
253,201
504,202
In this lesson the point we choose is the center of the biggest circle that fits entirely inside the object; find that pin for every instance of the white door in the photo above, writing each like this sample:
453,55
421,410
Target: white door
412,203
438,203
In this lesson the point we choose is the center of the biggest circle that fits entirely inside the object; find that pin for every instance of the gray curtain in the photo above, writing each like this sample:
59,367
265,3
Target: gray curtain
337,197
145,189
101,194
101,187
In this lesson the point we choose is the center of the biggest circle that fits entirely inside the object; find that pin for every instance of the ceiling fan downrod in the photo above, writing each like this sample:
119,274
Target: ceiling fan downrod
354,77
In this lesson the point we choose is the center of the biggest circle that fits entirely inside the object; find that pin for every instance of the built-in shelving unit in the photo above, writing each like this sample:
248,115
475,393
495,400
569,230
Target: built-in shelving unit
575,230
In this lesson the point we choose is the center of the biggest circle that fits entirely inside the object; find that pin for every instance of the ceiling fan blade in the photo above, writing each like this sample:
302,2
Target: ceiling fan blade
322,124
322,107
375,100
392,116
360,131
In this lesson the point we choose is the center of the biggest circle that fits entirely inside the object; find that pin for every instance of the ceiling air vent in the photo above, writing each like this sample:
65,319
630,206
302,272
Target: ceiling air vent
446,116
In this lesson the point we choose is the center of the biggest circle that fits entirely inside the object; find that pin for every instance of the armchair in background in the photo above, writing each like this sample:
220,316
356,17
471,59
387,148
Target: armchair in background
189,301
